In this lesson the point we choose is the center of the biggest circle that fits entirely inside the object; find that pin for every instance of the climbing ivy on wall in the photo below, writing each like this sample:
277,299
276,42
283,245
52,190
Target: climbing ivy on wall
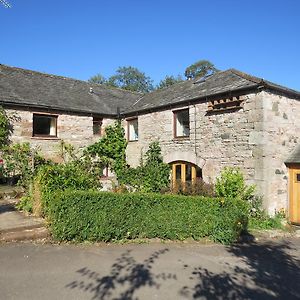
4,128
111,149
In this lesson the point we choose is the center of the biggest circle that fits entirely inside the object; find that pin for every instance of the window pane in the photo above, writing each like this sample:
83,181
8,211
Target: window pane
188,172
178,172
133,130
298,177
44,125
198,172
97,124
182,123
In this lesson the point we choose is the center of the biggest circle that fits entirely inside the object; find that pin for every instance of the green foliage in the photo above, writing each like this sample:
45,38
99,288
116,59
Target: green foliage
103,216
98,78
18,162
5,128
168,81
21,161
231,184
259,218
111,149
127,78
200,68
25,204
151,176
64,176
60,177
131,79
266,222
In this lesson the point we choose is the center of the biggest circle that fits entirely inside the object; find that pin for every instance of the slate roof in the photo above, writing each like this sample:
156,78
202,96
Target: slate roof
39,90
34,89
294,157
219,83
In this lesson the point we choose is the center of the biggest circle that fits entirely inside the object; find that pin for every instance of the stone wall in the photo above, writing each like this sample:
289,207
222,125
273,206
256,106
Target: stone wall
72,129
216,140
257,138
281,136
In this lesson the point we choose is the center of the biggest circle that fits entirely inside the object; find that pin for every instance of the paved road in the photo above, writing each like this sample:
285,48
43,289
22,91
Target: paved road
261,270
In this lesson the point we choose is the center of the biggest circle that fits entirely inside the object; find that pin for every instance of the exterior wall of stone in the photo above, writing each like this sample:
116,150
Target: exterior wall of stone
72,129
217,140
257,138
281,136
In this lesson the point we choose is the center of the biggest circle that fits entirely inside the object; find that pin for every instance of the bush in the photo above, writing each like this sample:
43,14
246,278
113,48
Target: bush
152,176
104,216
196,187
5,128
60,177
18,162
231,184
25,204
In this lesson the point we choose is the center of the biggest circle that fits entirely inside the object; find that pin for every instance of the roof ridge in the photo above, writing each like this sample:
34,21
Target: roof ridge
42,73
262,81
67,78
113,88
246,76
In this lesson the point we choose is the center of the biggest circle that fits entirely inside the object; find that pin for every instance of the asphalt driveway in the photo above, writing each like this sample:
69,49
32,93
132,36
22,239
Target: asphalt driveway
260,270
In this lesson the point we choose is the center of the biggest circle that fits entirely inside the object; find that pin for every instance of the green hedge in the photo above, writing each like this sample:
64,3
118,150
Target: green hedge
105,216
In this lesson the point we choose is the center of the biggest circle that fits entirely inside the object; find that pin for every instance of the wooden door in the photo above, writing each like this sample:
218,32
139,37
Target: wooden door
294,194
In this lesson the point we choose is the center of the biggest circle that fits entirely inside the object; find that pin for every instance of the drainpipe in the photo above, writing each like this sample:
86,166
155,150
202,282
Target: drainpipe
195,147
119,113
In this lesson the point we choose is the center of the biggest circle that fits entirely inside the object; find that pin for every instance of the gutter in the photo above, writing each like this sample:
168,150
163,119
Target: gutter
54,108
188,101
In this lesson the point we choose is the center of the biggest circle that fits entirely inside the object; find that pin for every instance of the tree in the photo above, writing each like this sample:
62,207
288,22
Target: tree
98,78
5,3
200,68
168,81
131,79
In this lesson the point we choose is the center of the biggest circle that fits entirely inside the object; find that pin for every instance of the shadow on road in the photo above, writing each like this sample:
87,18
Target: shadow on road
267,271
126,276
6,207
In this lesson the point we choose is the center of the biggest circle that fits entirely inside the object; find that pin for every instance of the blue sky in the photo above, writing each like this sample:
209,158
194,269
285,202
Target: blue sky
81,38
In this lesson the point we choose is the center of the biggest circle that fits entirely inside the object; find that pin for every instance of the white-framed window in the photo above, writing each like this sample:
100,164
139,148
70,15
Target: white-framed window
181,123
133,129
44,125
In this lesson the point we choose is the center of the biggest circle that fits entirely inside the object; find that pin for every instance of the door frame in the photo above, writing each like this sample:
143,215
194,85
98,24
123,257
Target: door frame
294,204
182,165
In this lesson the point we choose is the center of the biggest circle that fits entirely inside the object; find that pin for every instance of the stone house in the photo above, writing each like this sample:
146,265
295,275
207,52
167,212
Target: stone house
202,125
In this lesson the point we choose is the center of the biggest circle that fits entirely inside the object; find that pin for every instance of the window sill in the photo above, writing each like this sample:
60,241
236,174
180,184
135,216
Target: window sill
132,141
180,138
55,138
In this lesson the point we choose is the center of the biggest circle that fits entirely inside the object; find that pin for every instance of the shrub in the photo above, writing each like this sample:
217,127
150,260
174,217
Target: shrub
231,184
60,177
111,149
25,204
104,216
18,162
196,187
5,128
151,176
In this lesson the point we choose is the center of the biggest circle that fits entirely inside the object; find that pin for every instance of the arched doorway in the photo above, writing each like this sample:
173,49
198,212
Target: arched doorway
184,172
